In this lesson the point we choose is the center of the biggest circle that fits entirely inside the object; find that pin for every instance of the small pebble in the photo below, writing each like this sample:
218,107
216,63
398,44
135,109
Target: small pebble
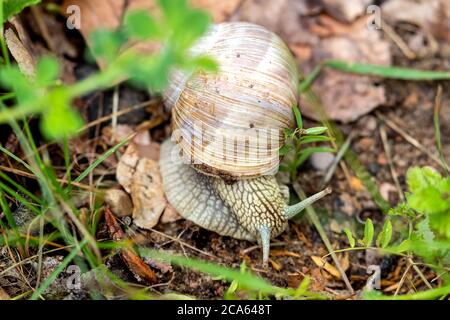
119,202
385,189
321,160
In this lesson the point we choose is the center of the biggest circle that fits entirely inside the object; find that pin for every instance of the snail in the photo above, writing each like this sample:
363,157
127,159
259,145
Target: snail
219,168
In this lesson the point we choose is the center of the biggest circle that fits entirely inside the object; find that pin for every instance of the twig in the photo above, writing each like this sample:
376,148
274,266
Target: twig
315,220
387,151
391,124
420,273
32,176
402,280
337,159
390,32
115,109
120,113
182,243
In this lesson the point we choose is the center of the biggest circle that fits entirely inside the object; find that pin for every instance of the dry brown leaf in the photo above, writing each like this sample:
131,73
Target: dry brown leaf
283,253
346,97
275,265
431,15
21,53
344,261
219,10
356,183
4,295
108,14
119,202
141,178
288,18
170,215
326,266
137,266
318,281
346,10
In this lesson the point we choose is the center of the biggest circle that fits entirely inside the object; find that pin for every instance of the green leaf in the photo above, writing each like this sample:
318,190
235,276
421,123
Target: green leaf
429,190
205,63
141,25
106,43
13,79
13,7
312,139
60,119
351,239
368,232
298,117
285,149
47,71
385,235
173,11
195,24
316,130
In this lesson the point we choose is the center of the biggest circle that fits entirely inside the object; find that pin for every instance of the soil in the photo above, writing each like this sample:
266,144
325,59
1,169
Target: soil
410,105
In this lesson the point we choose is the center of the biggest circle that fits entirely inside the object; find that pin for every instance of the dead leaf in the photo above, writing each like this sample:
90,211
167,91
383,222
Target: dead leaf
140,176
4,295
431,15
275,265
119,202
318,281
344,261
108,14
21,53
220,10
346,10
326,266
356,184
284,253
170,215
137,266
288,18
346,97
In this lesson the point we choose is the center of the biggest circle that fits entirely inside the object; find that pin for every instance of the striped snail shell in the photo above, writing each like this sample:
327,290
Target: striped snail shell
231,123
230,126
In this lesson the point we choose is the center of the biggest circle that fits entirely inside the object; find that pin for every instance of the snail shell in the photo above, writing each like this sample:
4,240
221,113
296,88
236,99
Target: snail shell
230,124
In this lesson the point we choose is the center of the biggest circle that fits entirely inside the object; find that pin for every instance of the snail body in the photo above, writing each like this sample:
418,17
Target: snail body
219,170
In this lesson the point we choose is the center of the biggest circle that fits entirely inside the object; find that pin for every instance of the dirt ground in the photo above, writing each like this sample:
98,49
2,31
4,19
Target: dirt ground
409,106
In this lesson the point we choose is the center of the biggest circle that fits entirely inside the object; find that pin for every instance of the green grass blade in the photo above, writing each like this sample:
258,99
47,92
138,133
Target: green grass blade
388,72
21,189
106,155
247,280
21,199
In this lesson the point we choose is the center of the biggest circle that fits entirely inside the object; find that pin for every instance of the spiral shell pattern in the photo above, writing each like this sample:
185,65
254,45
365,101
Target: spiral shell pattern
231,123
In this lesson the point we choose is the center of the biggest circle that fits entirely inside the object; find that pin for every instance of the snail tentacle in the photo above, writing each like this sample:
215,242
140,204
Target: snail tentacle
291,211
265,233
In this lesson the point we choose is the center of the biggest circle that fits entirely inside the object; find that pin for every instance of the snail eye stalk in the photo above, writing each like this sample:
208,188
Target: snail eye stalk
265,233
291,211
